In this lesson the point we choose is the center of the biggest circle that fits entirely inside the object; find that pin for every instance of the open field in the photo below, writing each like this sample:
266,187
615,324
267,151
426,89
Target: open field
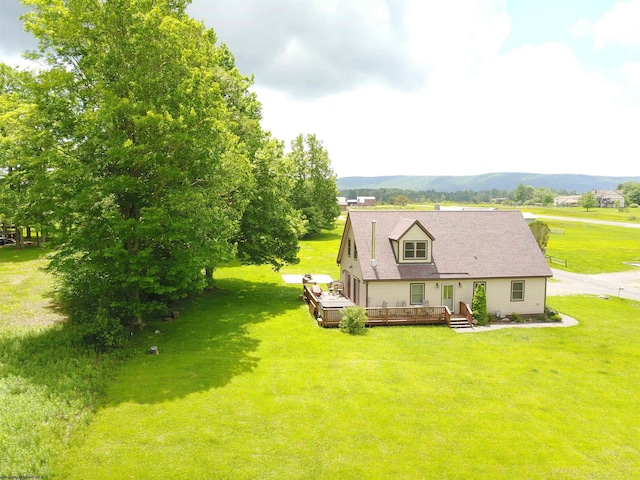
590,248
246,386
632,215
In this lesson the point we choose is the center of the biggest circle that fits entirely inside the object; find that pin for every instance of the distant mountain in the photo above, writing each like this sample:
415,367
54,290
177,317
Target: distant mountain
486,182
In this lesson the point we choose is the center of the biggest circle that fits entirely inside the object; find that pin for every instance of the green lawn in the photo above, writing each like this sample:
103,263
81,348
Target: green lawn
590,248
247,386
632,215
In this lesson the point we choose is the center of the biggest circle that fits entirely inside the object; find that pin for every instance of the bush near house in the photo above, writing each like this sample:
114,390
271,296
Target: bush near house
354,320
479,306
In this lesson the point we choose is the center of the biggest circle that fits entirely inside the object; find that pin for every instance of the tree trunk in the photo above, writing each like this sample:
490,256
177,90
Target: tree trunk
19,239
208,273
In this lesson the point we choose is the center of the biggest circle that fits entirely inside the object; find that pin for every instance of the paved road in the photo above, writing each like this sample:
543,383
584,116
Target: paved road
588,220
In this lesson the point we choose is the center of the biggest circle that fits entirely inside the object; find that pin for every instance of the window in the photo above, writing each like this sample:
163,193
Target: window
517,291
415,250
417,293
355,251
348,247
477,284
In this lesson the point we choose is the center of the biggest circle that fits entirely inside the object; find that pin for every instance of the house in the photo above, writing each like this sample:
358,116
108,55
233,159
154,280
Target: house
345,203
609,198
438,258
567,201
366,201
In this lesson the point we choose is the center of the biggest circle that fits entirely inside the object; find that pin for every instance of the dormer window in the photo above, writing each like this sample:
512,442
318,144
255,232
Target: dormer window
415,250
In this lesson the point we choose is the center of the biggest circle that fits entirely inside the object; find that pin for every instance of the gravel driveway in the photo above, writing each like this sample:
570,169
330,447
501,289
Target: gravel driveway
623,284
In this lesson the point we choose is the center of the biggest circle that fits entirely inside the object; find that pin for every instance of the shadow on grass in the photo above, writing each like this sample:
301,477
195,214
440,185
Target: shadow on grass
207,346
9,253
325,235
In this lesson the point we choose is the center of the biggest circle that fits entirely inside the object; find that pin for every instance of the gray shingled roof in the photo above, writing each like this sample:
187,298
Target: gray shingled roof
467,244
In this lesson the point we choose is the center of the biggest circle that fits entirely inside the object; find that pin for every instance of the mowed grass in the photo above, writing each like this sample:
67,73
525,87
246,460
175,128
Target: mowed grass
631,215
247,386
590,248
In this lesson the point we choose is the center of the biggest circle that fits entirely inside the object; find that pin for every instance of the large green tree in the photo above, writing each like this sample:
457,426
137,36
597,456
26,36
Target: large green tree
523,193
540,232
315,190
24,197
588,200
631,191
157,155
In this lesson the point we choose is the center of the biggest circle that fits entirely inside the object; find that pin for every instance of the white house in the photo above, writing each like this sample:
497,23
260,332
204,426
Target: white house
438,258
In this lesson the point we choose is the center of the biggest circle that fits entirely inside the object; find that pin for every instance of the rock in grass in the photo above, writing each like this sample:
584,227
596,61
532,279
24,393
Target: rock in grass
153,351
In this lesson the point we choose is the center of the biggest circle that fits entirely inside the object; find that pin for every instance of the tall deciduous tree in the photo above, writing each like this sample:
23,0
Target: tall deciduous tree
270,226
523,193
315,190
157,154
588,200
24,199
540,232
631,191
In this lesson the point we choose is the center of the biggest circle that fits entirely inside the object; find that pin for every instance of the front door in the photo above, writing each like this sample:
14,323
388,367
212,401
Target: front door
447,296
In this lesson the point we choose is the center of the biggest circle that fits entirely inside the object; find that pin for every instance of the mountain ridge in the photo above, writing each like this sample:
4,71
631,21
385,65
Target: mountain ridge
504,181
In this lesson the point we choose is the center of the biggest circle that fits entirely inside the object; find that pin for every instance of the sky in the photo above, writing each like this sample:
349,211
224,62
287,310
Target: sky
425,87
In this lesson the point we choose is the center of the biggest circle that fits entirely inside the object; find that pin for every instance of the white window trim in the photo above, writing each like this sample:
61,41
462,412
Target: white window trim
415,257
411,285
513,282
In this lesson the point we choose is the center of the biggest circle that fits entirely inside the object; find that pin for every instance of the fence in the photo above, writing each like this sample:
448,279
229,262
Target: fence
555,260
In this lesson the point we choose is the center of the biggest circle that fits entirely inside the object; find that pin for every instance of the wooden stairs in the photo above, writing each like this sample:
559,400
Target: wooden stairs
459,321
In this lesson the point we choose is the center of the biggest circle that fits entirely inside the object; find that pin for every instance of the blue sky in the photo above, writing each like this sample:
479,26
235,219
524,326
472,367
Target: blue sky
432,87
535,22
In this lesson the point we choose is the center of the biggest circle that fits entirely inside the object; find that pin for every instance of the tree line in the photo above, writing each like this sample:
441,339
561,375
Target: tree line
522,195
137,149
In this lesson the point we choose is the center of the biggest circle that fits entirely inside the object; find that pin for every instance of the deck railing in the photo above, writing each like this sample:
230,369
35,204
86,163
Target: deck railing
411,315
465,310
312,301
330,317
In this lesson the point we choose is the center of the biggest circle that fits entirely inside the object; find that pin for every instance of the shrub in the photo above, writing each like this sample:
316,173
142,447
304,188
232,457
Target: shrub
552,315
103,333
479,305
633,205
354,320
516,318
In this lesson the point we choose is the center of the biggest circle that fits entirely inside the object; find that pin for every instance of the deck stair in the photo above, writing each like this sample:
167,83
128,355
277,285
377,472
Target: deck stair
459,321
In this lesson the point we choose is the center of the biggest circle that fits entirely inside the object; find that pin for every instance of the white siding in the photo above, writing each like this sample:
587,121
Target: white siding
352,268
498,294
395,292
414,234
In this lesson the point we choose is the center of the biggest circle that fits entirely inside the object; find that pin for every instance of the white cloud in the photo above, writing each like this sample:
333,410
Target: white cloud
416,87
533,109
619,26
582,28
632,72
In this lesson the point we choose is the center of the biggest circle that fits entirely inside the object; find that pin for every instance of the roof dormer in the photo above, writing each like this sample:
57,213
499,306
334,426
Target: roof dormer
411,242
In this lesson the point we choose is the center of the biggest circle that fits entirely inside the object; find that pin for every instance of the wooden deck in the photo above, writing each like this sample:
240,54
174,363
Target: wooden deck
327,309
